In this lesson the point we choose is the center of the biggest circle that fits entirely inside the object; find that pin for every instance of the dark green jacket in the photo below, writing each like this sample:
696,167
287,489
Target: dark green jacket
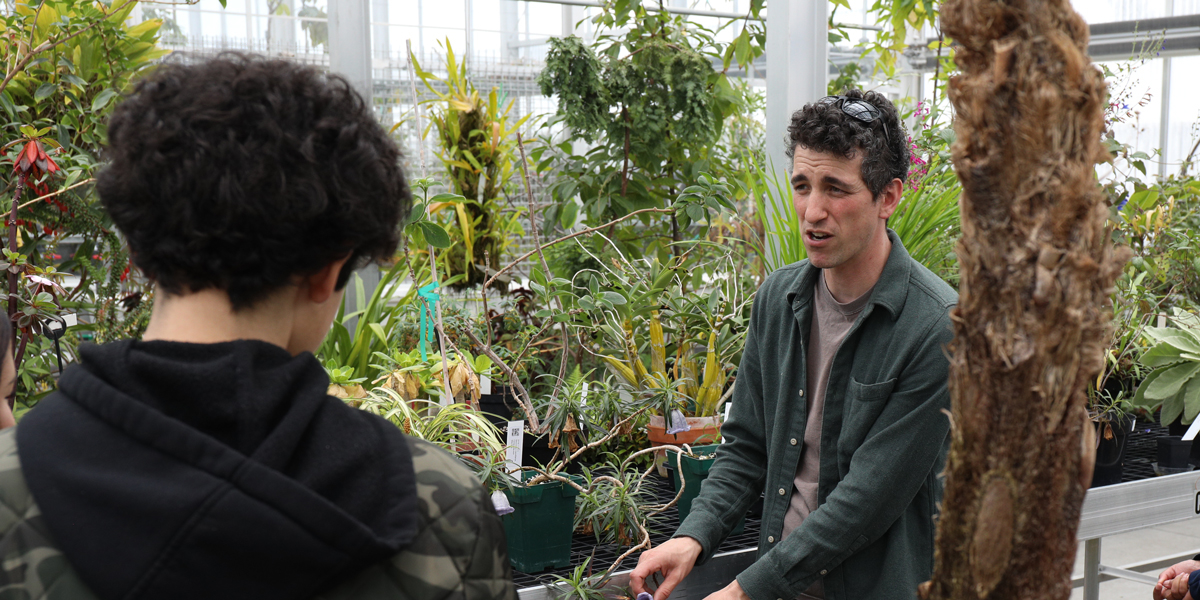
883,439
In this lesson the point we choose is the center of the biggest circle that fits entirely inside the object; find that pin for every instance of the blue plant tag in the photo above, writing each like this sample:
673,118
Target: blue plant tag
500,503
678,423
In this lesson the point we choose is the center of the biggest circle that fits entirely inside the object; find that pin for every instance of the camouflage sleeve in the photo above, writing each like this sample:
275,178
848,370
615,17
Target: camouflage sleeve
459,552
30,566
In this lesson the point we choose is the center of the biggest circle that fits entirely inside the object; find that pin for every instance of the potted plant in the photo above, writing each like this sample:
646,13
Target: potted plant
692,468
343,384
1174,361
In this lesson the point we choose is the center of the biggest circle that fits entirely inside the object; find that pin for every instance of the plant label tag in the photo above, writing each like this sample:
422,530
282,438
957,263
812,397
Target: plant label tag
583,397
512,450
485,385
70,320
1193,429
728,405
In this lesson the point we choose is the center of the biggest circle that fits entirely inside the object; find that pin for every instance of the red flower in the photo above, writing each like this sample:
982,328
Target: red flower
32,164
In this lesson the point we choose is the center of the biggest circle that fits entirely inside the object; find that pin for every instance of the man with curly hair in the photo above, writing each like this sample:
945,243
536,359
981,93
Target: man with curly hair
837,409
206,460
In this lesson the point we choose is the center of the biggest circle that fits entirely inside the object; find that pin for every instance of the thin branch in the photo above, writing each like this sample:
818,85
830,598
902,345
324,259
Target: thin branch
644,545
48,44
537,239
522,395
611,434
487,317
52,194
564,238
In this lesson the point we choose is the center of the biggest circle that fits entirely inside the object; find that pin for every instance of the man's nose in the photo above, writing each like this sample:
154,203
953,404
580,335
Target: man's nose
814,208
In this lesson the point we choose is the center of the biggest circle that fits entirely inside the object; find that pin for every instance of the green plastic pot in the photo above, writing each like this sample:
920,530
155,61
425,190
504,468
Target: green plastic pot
539,528
695,471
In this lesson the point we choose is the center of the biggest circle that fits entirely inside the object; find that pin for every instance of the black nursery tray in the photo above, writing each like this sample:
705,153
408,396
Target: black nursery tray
1142,449
660,531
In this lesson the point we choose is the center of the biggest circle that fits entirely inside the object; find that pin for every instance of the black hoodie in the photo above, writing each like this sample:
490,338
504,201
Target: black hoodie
172,470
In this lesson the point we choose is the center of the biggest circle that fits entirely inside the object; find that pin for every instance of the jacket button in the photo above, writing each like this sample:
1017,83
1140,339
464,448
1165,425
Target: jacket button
824,571
793,441
801,393
771,538
782,491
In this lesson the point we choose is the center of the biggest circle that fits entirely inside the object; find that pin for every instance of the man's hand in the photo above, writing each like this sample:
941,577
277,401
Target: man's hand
732,591
674,559
1164,590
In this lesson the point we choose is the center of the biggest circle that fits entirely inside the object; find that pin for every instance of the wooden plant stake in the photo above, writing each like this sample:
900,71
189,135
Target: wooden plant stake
1037,266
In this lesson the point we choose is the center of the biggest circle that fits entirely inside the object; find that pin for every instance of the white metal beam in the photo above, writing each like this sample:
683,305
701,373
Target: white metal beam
350,43
350,57
798,61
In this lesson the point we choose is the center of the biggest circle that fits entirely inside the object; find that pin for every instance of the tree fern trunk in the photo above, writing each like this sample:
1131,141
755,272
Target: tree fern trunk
1037,265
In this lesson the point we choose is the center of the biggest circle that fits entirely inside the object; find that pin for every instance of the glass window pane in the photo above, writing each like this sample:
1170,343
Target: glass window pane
1184,109
1107,11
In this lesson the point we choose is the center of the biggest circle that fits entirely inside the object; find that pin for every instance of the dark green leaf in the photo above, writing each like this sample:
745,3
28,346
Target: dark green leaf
44,91
102,99
434,234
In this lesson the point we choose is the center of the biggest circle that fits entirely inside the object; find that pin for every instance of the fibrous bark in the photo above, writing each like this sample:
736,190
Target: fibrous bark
1037,266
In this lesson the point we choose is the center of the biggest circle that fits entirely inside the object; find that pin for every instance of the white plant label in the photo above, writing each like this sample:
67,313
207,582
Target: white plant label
485,385
583,397
1192,431
70,320
728,405
512,452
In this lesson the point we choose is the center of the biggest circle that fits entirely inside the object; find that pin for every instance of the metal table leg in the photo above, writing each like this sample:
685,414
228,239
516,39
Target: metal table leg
1091,569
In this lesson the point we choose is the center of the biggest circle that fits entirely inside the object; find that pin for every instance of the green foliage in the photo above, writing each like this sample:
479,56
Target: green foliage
614,507
374,321
69,61
581,584
452,427
896,17
654,112
1174,357
477,141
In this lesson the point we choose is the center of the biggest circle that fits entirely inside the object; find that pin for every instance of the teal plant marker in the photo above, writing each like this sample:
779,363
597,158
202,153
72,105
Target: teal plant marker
428,298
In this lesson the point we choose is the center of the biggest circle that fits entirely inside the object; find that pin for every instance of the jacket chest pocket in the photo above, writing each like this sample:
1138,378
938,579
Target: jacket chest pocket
863,404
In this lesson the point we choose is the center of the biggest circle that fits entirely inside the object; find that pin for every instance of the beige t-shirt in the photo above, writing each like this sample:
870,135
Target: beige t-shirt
830,323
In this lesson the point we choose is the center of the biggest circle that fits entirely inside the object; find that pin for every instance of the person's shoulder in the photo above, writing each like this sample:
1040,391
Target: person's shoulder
929,291
458,550
14,493
32,563
442,478
781,281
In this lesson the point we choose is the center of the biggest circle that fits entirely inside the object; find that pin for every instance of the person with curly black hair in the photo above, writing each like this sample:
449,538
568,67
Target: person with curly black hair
206,460
837,409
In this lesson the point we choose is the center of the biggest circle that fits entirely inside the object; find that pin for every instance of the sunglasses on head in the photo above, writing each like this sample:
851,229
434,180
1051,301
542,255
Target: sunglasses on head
857,108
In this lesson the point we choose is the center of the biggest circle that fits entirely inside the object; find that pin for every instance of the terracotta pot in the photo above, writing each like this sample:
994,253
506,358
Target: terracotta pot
704,430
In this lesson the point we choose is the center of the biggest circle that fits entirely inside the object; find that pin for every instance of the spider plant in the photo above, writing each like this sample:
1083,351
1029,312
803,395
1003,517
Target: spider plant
452,427
581,584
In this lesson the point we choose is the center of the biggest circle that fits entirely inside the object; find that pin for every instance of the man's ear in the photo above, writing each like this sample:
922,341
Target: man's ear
890,199
320,285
